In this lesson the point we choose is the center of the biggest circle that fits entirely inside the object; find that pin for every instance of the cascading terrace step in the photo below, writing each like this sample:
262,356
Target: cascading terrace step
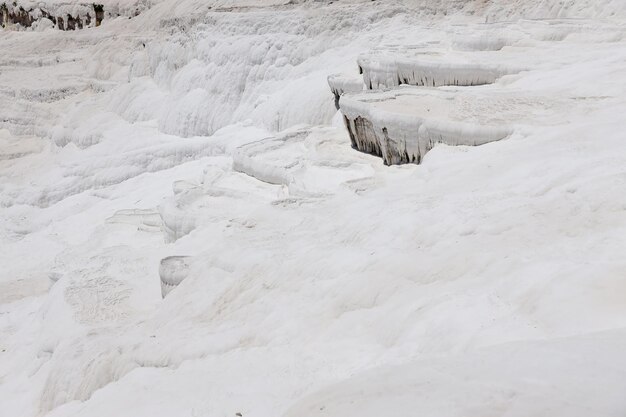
426,66
411,97
403,124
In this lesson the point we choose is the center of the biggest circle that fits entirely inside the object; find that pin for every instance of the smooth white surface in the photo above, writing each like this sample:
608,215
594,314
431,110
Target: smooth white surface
486,281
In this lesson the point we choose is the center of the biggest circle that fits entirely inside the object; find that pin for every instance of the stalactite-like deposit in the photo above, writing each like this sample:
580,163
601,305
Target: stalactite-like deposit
401,127
13,15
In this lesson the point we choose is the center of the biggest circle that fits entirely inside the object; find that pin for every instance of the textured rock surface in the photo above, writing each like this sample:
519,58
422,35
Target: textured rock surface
487,281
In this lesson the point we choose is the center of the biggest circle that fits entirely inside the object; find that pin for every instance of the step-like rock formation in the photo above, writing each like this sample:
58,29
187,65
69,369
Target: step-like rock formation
341,83
277,169
409,114
430,69
402,125
306,163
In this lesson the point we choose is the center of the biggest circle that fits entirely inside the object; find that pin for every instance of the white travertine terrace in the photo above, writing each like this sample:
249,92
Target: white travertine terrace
487,281
402,125
344,83
431,68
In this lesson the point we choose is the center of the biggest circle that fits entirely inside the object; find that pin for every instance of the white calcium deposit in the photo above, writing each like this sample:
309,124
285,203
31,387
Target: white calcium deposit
186,229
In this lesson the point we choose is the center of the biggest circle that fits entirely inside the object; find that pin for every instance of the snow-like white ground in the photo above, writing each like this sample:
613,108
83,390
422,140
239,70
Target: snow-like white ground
487,281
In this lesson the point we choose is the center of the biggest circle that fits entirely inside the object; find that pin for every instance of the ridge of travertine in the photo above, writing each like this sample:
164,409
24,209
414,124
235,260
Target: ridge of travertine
428,93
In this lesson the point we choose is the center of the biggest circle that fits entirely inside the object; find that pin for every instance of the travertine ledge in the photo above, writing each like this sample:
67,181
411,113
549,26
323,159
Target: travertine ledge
431,68
402,125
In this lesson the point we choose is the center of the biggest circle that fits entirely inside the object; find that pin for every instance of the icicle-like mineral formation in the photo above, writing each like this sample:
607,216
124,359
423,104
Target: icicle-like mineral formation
428,70
62,16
